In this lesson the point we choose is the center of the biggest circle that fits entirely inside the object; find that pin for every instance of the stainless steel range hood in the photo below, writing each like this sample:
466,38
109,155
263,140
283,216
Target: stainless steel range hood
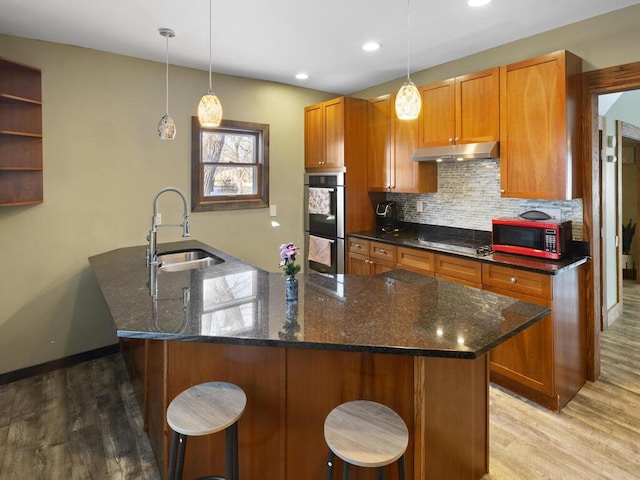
452,153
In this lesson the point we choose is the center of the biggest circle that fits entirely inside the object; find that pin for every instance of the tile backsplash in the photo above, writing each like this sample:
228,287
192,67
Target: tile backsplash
469,197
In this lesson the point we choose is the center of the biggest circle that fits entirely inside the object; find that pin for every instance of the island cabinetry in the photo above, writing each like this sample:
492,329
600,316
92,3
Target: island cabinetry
540,129
335,133
390,145
457,269
20,134
547,362
366,257
461,110
259,371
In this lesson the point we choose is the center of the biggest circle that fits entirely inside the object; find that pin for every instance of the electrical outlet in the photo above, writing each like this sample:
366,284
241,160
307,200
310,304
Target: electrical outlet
419,207
273,209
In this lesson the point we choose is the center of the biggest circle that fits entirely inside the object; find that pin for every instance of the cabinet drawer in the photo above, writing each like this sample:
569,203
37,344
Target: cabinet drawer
358,245
521,281
383,251
413,259
457,267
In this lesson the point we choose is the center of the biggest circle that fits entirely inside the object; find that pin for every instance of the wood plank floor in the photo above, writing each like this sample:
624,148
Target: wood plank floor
83,422
596,436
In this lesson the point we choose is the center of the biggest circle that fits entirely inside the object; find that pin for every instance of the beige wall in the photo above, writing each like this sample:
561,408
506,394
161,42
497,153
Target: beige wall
604,41
103,164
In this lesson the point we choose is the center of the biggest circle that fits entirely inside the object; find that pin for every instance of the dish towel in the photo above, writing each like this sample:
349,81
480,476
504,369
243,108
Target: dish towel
320,250
320,200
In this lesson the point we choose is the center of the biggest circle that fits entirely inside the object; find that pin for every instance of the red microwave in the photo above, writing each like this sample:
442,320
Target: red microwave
534,238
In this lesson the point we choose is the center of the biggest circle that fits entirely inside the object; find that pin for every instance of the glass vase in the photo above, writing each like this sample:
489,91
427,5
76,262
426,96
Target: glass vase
291,288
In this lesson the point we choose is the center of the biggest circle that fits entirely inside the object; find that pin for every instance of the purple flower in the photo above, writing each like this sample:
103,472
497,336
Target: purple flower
288,252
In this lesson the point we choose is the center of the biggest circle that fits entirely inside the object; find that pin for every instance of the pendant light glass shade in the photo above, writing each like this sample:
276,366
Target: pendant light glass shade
408,100
209,108
166,126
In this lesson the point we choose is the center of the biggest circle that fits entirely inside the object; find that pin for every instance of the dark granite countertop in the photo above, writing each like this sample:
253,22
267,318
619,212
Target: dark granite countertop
408,237
234,302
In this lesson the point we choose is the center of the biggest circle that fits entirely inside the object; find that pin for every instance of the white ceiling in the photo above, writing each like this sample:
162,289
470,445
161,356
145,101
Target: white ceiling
275,39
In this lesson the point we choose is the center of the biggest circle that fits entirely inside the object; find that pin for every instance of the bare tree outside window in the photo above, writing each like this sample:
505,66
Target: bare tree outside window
229,166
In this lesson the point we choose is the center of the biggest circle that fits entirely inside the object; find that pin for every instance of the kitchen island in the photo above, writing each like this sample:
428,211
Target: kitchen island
412,342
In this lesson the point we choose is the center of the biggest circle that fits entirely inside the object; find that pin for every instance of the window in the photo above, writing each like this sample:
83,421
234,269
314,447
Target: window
229,166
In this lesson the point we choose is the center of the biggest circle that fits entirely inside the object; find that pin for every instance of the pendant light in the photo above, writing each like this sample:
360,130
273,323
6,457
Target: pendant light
166,126
408,101
209,108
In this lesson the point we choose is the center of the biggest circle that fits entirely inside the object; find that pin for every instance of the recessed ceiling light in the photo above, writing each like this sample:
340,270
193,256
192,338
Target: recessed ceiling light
371,46
478,3
302,76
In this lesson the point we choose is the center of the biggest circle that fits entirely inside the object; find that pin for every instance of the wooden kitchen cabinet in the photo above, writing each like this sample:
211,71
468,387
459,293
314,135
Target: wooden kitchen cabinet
465,109
21,175
390,145
547,362
415,260
366,257
466,271
540,129
334,131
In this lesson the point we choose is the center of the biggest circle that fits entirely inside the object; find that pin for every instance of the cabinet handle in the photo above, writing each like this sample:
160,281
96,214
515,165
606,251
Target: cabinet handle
501,190
450,139
456,140
383,251
513,280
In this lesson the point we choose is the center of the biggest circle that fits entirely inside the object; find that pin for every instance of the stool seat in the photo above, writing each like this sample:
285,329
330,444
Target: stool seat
206,408
366,434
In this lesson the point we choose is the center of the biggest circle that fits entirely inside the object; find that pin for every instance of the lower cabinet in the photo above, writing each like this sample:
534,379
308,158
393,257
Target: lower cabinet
366,257
546,363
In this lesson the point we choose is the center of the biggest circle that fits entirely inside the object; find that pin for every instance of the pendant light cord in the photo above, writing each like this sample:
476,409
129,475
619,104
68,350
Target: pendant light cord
167,78
210,63
408,36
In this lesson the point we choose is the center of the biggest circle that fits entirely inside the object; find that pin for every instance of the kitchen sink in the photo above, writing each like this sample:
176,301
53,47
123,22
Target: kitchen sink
188,259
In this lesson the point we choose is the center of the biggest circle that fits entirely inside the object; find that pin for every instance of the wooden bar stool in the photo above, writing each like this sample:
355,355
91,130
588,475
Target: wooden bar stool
365,434
202,410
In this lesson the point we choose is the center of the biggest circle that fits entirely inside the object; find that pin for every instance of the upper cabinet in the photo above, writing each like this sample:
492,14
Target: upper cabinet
334,132
461,110
390,145
20,134
540,138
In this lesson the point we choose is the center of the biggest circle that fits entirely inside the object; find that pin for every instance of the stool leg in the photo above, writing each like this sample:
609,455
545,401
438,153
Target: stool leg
172,456
380,473
330,463
176,459
401,470
231,452
345,471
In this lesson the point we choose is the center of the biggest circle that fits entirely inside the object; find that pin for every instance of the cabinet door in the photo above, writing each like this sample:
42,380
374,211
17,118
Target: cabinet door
478,107
420,261
407,175
380,266
379,144
334,113
540,146
437,118
461,270
314,136
358,264
527,358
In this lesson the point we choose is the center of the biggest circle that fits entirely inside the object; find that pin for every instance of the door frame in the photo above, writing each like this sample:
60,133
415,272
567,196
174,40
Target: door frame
606,80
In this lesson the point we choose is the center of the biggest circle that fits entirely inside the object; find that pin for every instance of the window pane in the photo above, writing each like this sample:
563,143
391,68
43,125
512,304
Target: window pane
222,180
223,147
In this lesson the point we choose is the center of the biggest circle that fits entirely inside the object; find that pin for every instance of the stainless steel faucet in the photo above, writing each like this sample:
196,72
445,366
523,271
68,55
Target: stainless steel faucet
152,251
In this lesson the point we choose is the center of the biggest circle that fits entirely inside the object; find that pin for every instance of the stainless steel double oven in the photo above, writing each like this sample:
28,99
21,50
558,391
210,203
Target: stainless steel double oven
324,222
